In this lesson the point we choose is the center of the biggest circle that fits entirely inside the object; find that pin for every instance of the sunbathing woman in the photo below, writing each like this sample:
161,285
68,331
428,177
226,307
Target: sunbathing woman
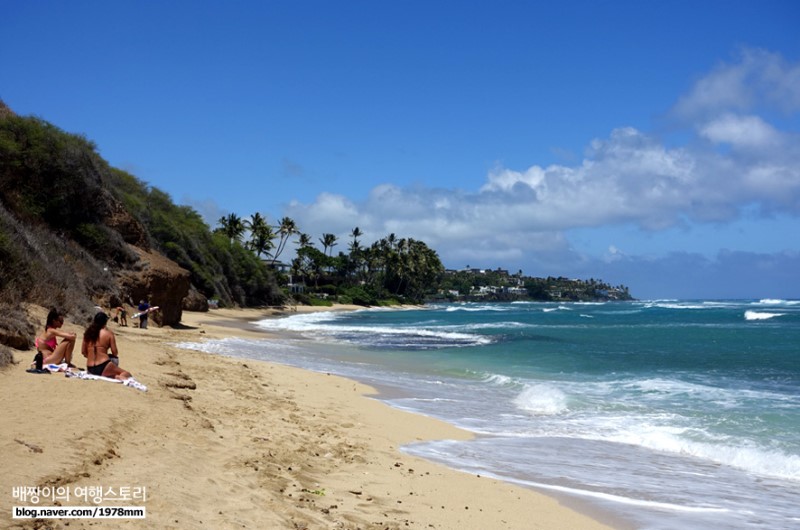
97,340
47,343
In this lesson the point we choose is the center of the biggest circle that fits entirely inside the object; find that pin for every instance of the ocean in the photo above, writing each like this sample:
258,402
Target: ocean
667,414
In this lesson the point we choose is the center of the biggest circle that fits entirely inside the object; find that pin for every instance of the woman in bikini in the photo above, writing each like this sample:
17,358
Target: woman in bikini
97,340
47,344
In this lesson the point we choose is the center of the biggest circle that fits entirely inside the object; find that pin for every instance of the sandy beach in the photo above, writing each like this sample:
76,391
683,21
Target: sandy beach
219,442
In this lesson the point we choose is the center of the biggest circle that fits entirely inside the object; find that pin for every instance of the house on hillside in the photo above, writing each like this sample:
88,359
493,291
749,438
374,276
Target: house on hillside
278,266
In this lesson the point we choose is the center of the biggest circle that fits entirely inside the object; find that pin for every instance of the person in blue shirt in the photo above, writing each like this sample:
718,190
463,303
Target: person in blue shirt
143,307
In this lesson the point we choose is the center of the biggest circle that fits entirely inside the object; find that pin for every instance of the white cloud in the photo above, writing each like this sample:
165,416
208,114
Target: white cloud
613,254
725,88
741,131
757,79
329,213
629,177
777,185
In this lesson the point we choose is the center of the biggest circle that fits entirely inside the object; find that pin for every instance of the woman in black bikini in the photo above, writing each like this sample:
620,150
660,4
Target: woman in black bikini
97,340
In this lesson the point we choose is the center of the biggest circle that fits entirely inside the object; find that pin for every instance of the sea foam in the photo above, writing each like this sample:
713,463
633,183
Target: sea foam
541,399
757,315
331,326
757,460
777,301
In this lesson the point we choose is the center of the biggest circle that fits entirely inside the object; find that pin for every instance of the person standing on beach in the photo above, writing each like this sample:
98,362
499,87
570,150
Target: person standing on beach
122,316
143,309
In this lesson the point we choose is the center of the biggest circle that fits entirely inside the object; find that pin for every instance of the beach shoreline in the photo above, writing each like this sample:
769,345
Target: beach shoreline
231,442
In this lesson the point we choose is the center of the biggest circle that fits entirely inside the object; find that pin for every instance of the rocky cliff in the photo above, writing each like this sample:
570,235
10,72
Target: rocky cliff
160,281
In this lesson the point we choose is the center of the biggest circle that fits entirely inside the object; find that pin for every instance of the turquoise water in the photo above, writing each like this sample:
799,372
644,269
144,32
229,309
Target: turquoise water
670,414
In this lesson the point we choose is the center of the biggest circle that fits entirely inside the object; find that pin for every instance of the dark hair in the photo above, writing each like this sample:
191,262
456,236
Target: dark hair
92,333
52,317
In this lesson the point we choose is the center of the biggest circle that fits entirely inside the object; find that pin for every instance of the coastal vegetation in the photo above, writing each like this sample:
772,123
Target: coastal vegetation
501,285
71,226
389,271
392,270
77,233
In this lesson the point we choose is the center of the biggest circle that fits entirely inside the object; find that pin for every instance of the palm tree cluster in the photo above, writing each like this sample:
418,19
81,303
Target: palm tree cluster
262,234
392,268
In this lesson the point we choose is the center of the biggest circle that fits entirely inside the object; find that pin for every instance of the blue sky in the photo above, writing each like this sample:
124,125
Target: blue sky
654,144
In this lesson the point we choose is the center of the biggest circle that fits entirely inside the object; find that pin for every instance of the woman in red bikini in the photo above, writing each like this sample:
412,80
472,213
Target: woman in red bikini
97,340
47,343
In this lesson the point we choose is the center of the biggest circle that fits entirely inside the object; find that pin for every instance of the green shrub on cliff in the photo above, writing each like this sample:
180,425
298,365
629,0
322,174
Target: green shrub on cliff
63,225
218,268
47,175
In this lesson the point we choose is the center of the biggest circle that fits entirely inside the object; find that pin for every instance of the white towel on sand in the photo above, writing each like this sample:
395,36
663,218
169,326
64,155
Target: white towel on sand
131,382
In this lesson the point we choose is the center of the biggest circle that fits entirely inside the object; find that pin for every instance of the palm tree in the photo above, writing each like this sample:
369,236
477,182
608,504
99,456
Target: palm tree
262,241
256,222
354,260
328,242
286,229
261,235
406,267
355,234
232,227
304,241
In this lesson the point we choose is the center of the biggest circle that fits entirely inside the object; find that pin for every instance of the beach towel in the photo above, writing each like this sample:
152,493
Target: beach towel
49,368
131,382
